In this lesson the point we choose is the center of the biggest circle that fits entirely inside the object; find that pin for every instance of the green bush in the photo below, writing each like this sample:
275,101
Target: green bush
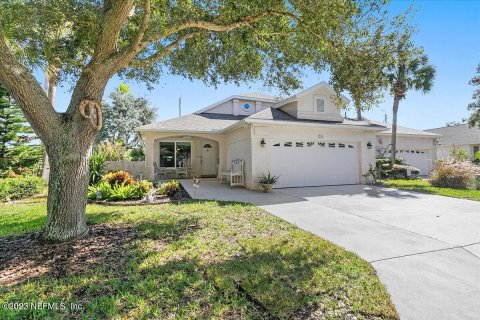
454,174
476,158
136,154
169,188
459,155
398,171
96,165
119,191
20,187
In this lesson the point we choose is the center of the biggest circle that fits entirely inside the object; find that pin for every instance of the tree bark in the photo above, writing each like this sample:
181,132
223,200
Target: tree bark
396,102
67,190
359,114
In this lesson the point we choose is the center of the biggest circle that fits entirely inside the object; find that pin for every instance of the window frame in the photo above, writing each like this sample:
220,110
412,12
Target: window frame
174,153
315,102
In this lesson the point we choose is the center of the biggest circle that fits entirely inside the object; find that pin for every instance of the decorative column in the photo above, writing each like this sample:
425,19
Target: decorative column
258,106
236,107
149,157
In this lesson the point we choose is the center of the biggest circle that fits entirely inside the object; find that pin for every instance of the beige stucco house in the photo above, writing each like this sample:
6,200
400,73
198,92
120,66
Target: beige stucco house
458,137
303,139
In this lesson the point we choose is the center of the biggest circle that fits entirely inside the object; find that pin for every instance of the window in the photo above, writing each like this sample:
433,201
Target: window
299,144
320,105
331,145
475,149
321,144
310,144
246,107
175,154
287,144
341,145
350,146
277,144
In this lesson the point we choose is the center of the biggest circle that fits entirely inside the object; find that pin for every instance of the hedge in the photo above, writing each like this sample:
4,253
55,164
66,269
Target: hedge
20,187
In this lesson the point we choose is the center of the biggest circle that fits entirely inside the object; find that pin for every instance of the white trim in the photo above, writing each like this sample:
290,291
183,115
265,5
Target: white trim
418,135
231,98
311,124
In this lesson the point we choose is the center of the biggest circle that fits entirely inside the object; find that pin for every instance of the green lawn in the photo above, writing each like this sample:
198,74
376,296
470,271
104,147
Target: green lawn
202,260
424,186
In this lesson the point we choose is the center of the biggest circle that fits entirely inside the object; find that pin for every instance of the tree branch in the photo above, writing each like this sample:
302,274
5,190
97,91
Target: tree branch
116,14
28,93
160,54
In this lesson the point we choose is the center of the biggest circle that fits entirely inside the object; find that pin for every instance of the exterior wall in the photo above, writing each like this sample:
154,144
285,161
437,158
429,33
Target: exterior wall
135,168
306,106
262,159
443,151
152,152
290,108
234,107
239,146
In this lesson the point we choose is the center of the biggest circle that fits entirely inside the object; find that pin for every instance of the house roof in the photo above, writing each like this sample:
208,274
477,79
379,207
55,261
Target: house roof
204,122
404,131
306,91
456,135
217,123
246,96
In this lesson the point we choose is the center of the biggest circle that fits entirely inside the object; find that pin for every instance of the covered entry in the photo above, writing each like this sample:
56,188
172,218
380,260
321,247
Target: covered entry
315,163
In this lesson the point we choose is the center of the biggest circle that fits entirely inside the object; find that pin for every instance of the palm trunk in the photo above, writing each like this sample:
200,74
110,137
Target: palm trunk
359,114
67,191
396,102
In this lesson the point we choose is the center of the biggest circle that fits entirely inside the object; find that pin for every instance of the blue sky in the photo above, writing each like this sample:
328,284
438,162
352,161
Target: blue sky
448,30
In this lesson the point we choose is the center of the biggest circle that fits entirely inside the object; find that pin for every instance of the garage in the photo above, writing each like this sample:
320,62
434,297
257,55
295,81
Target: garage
315,163
417,158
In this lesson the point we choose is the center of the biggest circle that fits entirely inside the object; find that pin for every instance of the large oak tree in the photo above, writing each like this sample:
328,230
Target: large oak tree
211,40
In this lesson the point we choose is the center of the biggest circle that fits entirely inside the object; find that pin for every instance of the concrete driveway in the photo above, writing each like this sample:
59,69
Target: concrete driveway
425,248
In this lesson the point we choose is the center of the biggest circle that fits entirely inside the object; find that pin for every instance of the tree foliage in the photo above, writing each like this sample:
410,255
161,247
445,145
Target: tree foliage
123,115
474,106
90,41
16,156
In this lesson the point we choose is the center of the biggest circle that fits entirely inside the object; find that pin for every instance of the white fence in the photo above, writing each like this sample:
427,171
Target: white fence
135,168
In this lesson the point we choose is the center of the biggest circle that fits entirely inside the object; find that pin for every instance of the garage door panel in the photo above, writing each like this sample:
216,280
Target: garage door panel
315,164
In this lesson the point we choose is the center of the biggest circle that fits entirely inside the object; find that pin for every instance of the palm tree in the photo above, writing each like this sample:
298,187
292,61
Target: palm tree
409,70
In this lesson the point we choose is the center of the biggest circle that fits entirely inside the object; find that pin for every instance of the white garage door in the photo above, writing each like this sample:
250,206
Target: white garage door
417,158
314,163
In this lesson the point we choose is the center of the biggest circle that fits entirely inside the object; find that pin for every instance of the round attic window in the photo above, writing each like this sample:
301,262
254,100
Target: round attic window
246,107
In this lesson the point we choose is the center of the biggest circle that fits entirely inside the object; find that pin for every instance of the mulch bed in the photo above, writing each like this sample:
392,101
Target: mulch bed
181,195
26,257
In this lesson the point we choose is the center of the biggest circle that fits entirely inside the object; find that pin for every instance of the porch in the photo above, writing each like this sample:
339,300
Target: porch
170,156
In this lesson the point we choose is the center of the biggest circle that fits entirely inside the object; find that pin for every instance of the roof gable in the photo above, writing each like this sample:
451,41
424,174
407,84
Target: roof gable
306,91
457,135
254,96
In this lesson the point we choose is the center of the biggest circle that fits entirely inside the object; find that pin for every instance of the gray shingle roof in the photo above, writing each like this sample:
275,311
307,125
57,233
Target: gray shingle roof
204,122
404,130
460,134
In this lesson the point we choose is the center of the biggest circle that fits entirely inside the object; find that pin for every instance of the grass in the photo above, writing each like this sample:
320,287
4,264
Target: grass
425,187
203,260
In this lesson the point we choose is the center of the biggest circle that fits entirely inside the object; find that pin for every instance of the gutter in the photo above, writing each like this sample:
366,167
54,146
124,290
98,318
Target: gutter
311,124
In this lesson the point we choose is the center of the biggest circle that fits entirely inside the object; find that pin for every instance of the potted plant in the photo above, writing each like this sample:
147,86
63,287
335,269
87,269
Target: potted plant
267,181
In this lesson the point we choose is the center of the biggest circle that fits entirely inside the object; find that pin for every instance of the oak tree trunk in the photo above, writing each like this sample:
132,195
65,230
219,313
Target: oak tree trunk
359,114
396,102
67,191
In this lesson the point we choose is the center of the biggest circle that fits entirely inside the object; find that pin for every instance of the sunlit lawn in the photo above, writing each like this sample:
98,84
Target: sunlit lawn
203,260
424,186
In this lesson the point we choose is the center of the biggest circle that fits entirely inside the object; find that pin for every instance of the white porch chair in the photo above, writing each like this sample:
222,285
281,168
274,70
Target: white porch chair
159,172
182,171
236,174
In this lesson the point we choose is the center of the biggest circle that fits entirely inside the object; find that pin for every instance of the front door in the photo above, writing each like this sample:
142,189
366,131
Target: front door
209,160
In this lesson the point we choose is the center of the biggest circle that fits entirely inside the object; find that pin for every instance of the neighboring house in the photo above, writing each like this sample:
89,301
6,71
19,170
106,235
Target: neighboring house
458,137
303,139
416,147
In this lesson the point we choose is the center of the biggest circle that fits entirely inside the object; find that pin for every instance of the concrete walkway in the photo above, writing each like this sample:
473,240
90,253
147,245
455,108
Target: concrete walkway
425,248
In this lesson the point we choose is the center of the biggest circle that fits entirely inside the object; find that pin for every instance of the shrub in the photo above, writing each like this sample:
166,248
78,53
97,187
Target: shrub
118,177
169,188
459,155
20,187
404,171
96,165
399,169
454,174
476,158
136,154
115,192
268,179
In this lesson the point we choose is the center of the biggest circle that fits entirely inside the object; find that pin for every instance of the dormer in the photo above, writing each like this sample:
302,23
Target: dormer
241,105
314,103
